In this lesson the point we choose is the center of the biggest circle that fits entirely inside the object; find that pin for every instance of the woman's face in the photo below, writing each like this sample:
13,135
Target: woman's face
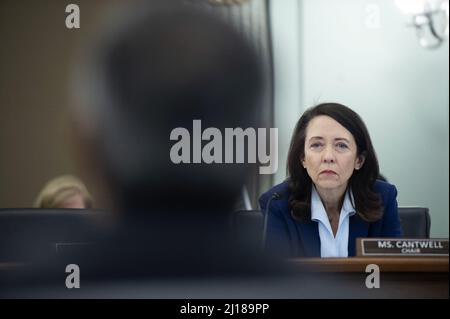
74,201
330,154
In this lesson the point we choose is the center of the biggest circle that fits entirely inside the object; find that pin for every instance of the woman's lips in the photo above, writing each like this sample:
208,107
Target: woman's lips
328,172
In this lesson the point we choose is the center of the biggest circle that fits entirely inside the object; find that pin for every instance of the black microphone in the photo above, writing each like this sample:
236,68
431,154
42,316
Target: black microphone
276,196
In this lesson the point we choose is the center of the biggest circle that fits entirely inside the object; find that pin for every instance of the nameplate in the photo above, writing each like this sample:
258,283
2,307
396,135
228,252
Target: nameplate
402,247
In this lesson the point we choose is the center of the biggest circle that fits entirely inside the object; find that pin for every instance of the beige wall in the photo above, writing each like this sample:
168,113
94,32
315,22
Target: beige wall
35,55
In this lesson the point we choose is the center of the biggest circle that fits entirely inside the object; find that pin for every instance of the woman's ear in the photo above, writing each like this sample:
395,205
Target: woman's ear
360,159
302,160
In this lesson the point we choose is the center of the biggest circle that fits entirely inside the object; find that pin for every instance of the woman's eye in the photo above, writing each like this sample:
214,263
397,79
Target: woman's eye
315,145
342,145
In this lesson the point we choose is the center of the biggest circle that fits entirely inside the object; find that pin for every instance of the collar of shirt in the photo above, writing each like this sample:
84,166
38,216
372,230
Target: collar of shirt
332,245
319,214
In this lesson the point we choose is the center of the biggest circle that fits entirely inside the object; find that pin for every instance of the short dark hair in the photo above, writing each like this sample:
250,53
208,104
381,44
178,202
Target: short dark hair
167,66
367,202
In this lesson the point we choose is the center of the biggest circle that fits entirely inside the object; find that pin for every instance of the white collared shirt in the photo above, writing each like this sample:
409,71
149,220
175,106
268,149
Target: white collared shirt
331,246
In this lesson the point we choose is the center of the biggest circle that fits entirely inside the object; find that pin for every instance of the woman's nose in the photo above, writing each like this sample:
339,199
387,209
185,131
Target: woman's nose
328,155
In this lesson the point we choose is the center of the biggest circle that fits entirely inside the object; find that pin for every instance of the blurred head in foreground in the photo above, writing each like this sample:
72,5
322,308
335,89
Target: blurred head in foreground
64,191
158,69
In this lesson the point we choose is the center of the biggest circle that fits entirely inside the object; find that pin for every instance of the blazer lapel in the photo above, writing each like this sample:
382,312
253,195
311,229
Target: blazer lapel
308,234
309,239
358,228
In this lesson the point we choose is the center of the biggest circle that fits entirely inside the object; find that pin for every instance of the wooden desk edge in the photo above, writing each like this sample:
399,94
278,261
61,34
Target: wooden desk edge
386,264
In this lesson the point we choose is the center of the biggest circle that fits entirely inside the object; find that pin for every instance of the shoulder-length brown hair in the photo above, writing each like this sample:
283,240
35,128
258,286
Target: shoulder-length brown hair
367,203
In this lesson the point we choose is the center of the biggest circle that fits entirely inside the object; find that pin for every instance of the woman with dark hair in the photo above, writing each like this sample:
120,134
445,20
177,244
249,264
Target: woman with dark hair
332,194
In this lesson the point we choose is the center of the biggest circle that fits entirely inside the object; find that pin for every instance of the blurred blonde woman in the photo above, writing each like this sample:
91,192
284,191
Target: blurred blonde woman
64,191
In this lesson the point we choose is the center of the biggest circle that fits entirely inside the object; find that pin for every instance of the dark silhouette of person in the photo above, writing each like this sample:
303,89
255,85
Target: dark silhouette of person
161,68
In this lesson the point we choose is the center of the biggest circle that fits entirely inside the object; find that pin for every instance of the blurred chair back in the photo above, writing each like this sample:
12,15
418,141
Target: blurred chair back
29,232
248,226
415,222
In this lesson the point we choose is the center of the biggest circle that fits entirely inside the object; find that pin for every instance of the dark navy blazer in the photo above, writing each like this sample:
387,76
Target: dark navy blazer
287,237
